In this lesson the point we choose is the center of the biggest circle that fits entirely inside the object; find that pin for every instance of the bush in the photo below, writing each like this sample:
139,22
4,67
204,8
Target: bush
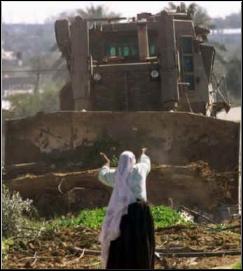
13,209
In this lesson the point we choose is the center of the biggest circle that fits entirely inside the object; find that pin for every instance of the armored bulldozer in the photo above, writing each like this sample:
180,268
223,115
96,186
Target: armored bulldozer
126,77
149,63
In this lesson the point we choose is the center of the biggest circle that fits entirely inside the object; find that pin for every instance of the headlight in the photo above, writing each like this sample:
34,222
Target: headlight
154,74
97,77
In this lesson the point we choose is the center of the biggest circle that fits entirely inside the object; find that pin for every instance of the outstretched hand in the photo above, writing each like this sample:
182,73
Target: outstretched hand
105,157
143,150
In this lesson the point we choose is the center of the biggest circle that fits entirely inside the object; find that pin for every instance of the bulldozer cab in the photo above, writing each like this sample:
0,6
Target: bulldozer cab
148,63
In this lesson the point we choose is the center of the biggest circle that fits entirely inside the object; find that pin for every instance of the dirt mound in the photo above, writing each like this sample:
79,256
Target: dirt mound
193,185
79,248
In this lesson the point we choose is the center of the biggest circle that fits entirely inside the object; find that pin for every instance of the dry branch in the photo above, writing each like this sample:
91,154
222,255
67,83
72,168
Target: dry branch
77,259
195,213
227,228
176,227
200,254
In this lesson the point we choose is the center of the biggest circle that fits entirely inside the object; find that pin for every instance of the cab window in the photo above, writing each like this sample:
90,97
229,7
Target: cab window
187,66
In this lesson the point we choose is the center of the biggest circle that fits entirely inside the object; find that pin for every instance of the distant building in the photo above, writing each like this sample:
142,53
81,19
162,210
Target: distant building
17,85
225,35
6,105
8,55
12,58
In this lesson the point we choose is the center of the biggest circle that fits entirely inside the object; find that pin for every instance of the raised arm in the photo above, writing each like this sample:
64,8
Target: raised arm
106,174
107,160
142,169
144,162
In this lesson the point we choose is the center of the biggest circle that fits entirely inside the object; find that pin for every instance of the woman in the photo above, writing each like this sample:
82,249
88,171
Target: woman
127,236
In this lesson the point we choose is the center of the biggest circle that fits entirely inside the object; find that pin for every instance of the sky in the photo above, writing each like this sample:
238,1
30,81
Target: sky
39,11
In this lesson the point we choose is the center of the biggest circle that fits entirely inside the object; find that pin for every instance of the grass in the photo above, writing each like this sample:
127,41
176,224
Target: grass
163,217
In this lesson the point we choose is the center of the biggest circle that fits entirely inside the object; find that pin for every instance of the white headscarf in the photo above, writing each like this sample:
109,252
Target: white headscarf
121,197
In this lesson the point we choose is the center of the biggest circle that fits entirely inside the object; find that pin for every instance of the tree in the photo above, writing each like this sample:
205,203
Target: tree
231,21
198,14
96,12
222,65
88,13
233,77
42,67
25,105
171,6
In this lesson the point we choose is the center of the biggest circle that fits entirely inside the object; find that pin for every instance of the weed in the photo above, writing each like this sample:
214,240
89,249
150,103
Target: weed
13,210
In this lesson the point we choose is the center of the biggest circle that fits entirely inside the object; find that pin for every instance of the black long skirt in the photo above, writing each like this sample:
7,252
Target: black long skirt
134,248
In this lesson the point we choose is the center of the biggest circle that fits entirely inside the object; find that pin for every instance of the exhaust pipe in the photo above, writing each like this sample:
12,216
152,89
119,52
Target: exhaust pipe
143,41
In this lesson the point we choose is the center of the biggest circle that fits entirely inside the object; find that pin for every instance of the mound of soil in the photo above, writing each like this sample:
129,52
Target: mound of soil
193,185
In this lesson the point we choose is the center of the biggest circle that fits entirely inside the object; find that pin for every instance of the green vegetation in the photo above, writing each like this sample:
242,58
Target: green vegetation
228,55
233,77
29,228
17,219
198,14
19,216
230,21
98,11
92,11
16,222
6,245
87,218
163,217
104,144
24,105
39,51
13,210
237,265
